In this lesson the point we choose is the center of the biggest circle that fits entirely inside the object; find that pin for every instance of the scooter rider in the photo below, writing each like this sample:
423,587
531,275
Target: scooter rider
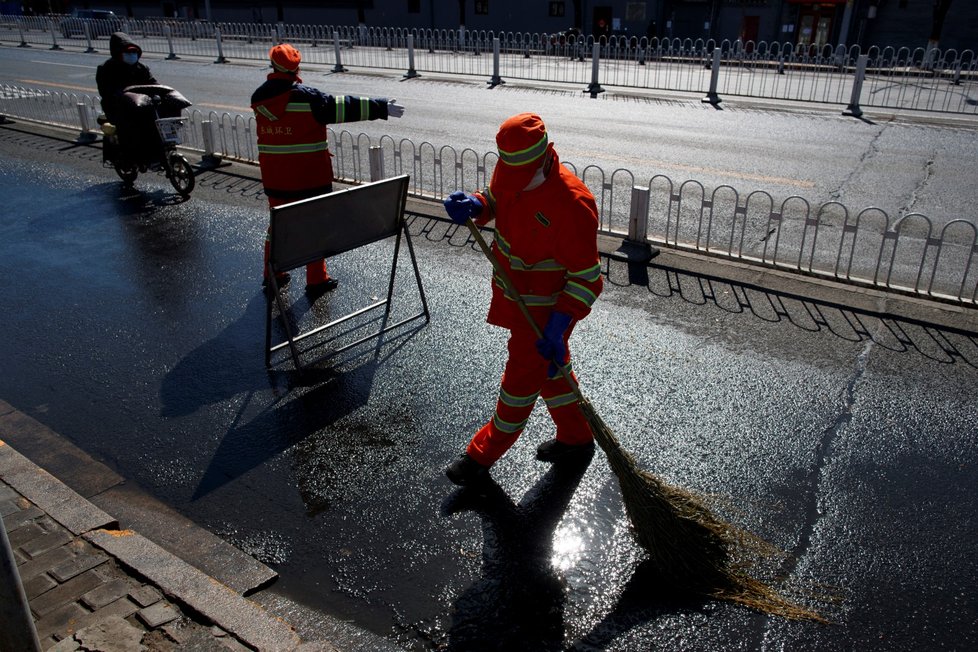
120,71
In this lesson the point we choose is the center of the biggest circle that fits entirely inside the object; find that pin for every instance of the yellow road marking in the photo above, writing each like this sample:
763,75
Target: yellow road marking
229,107
783,181
43,83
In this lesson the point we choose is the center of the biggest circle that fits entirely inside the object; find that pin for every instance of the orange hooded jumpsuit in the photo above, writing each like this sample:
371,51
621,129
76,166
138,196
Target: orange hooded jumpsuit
293,152
546,240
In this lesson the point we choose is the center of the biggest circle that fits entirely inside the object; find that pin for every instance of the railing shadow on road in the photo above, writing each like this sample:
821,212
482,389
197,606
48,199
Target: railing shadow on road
945,345
937,343
233,184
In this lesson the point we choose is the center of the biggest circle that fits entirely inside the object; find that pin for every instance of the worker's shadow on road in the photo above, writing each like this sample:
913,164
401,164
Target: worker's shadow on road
518,603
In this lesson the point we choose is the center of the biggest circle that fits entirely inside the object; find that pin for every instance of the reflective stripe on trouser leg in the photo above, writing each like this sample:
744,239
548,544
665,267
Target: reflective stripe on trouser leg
523,378
572,427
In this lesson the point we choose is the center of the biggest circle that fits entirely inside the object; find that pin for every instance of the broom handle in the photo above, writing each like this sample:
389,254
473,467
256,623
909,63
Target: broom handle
516,296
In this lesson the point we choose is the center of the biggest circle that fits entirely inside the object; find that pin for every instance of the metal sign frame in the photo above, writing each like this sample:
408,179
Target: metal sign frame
321,227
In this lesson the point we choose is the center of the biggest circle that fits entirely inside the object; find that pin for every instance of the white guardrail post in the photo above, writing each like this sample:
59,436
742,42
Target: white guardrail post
87,134
336,48
635,248
411,73
208,133
220,46
88,38
712,96
594,87
169,41
495,80
23,41
857,87
376,163
54,36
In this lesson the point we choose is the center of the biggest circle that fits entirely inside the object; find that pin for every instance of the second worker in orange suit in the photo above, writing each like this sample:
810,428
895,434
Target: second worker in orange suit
546,240
293,153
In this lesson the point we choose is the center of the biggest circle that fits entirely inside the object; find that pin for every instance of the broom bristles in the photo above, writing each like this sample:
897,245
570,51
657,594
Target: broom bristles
686,542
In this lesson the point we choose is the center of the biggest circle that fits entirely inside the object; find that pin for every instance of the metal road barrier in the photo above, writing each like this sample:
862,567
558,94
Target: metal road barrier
911,254
894,78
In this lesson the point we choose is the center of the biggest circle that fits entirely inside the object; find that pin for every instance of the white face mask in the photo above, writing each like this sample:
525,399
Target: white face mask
130,58
537,179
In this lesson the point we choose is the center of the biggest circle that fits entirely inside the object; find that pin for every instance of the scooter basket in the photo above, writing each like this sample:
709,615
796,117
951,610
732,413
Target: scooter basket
170,129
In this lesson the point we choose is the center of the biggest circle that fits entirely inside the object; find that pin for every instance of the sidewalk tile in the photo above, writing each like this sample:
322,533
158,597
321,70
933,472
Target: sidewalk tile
106,593
38,585
64,593
45,542
145,595
112,635
123,607
42,563
23,517
12,505
7,493
81,563
158,614
27,533
60,622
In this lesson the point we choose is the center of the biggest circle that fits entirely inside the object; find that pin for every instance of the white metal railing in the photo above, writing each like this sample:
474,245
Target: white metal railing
910,253
895,78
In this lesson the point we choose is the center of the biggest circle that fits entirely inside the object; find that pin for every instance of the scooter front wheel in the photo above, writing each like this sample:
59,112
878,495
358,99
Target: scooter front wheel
127,172
181,175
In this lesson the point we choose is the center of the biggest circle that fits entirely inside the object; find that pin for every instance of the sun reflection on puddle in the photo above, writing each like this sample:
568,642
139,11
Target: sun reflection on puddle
568,547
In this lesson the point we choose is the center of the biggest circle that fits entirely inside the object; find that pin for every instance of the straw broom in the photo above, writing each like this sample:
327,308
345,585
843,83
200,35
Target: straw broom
689,547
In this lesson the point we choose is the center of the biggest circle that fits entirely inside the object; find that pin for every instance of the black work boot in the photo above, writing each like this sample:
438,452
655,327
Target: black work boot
557,451
466,472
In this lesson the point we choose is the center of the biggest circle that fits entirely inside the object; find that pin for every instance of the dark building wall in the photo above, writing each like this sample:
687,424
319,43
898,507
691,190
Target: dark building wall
908,24
898,23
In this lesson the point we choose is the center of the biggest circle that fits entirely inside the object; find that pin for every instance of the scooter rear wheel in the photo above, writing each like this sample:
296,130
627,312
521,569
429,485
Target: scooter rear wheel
127,172
181,175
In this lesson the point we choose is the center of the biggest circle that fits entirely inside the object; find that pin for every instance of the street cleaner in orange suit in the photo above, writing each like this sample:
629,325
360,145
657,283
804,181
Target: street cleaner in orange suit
546,240
293,152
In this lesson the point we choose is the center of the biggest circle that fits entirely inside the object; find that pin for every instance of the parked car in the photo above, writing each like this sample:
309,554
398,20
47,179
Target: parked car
101,22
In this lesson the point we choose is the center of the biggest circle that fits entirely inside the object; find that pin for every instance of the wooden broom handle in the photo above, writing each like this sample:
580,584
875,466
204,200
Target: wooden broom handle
516,296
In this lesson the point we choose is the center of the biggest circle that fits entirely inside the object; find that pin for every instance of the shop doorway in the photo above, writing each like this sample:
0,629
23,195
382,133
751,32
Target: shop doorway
601,20
815,26
750,29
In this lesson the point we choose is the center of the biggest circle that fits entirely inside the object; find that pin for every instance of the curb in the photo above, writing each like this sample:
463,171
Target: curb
57,528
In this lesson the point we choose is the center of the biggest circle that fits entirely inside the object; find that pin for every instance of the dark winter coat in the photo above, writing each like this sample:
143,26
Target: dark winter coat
114,76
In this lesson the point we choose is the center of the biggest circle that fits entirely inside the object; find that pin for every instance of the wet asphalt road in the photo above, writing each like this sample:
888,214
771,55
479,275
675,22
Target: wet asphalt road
134,326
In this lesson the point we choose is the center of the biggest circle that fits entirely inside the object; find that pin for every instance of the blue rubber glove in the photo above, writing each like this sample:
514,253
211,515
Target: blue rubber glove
551,346
461,206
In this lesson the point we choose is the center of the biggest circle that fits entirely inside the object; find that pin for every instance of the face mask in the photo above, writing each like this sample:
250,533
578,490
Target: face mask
537,179
130,58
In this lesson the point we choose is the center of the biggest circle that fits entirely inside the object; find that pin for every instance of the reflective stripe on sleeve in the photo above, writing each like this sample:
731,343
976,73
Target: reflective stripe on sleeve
580,293
265,112
590,274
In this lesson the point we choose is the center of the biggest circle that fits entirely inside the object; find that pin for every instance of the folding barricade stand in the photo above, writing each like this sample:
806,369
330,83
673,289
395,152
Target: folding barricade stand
326,226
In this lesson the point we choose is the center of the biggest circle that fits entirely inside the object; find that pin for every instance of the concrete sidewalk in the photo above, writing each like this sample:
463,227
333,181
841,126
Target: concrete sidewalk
95,583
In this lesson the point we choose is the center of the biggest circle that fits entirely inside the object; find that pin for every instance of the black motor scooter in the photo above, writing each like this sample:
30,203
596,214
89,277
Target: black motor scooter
157,153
